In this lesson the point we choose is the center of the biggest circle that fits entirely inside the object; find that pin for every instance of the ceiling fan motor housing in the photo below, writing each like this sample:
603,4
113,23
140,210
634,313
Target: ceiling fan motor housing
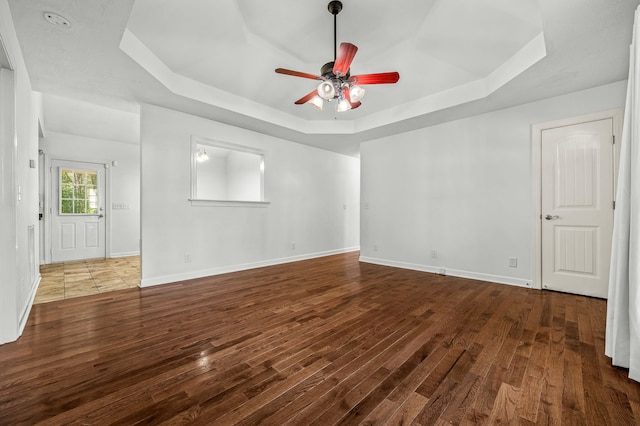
327,72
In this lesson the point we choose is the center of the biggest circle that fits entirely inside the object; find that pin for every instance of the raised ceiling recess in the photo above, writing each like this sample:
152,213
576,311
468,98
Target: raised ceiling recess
223,53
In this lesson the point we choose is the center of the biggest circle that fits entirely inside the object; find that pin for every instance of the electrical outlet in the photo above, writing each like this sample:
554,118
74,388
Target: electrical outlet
187,258
513,262
375,247
434,254
442,271
293,246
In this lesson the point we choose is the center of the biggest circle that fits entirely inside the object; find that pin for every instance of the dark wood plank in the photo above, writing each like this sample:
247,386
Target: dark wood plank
323,341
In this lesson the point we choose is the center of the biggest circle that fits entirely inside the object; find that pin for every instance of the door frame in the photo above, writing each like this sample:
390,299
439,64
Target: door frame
536,171
48,204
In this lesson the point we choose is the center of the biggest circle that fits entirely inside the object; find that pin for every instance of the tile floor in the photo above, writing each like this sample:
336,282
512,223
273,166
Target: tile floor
84,277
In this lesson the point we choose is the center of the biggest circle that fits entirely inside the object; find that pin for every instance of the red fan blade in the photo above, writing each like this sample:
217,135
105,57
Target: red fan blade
355,105
380,78
345,57
298,74
306,98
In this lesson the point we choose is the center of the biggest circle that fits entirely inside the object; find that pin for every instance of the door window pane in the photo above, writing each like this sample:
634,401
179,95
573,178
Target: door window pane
78,192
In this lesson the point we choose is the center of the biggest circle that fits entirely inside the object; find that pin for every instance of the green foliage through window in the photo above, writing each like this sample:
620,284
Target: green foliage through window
78,192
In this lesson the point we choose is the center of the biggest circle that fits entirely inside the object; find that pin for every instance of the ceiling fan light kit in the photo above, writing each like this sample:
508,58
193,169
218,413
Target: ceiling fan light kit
337,83
356,93
317,102
326,90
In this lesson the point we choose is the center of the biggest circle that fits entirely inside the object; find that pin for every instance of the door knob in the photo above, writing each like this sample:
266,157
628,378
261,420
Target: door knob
554,217
100,216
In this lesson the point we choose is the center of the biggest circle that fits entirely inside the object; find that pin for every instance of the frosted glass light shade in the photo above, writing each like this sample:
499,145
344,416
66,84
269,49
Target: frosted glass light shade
326,90
343,105
356,93
317,102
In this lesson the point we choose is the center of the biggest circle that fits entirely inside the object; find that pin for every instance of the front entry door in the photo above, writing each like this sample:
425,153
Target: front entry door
577,207
77,207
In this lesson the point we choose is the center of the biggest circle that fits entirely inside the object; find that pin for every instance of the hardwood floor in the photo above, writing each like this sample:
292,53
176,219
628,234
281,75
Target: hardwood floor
318,342
84,277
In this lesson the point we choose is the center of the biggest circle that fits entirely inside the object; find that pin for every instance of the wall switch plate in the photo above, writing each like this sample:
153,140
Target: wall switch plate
513,262
434,254
293,246
187,258
375,247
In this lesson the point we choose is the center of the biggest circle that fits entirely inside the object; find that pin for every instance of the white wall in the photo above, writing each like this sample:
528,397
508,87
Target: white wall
313,198
463,188
19,116
123,182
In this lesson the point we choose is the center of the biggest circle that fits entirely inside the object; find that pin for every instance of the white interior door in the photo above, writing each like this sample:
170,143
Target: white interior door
577,207
77,211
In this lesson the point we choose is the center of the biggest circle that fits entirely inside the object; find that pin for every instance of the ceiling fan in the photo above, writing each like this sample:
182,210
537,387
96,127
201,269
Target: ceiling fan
337,82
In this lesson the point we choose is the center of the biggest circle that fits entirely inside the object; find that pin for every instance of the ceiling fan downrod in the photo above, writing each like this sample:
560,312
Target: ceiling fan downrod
335,7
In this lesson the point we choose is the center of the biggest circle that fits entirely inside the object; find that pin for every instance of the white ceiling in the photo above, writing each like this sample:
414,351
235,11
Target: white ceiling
70,116
217,59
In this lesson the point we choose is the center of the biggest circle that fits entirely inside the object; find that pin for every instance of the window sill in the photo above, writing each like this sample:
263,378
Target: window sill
223,203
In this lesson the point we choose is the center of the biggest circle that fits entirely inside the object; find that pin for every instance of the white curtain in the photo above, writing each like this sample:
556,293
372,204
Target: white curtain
623,306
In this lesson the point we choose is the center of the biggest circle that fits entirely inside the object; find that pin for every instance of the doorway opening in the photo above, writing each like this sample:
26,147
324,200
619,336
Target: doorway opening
76,222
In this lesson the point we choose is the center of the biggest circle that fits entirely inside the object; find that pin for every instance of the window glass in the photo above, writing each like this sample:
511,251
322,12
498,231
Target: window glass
78,192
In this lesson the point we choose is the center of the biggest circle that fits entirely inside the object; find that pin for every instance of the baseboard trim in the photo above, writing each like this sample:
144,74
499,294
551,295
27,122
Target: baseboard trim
27,309
167,279
519,282
125,254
